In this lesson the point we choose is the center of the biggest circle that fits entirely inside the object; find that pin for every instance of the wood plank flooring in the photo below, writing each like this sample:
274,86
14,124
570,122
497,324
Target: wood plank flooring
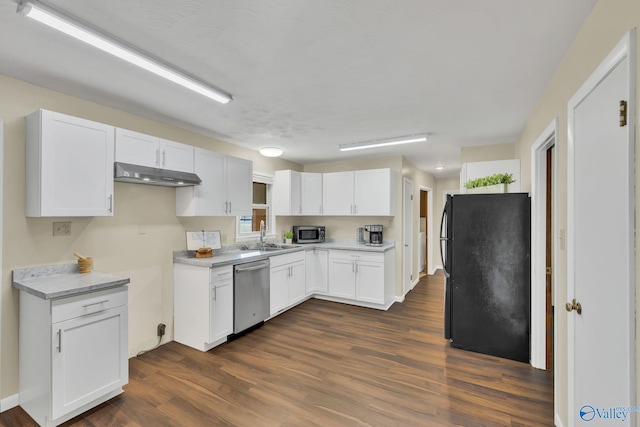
328,364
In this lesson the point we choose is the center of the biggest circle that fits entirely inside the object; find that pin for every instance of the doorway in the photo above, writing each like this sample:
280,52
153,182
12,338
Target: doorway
425,231
407,253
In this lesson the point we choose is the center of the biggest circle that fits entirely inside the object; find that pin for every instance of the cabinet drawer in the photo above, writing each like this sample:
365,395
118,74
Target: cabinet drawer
357,256
80,305
290,258
220,274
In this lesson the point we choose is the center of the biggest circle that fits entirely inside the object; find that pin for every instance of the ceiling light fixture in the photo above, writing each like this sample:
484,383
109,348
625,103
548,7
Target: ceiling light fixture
271,151
439,168
65,24
383,142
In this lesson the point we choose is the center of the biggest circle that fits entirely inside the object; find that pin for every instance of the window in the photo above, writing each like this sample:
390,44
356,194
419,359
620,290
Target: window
248,226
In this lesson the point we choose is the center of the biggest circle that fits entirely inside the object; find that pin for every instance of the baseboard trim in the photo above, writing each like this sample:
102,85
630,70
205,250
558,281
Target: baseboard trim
9,402
435,269
558,422
400,298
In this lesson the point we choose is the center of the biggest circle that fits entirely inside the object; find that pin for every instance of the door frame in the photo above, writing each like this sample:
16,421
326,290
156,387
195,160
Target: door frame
624,49
546,140
407,228
428,226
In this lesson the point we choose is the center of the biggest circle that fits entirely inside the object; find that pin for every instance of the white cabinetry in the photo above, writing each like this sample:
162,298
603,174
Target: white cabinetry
363,192
73,353
310,193
226,189
287,193
203,305
69,166
146,150
287,281
361,276
317,271
298,193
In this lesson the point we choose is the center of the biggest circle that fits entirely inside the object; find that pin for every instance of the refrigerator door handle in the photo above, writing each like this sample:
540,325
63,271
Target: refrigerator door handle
443,241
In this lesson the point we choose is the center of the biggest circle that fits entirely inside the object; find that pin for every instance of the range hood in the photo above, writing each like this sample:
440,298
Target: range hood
136,174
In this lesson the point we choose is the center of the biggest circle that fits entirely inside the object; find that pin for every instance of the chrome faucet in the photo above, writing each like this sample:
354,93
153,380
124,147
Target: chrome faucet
262,231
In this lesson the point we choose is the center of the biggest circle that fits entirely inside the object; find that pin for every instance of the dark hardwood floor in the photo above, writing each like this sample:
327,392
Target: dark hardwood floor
329,364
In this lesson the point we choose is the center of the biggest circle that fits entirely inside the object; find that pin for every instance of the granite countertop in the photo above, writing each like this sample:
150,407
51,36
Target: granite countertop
234,255
63,280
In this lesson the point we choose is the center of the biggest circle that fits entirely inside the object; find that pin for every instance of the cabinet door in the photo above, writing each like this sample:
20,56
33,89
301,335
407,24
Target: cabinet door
89,358
239,186
311,193
136,148
279,288
221,312
342,278
370,282
208,198
287,192
69,166
176,156
337,193
316,270
297,279
373,192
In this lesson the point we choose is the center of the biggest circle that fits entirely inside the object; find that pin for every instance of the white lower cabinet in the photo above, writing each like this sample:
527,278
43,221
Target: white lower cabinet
287,281
361,276
317,271
73,353
203,305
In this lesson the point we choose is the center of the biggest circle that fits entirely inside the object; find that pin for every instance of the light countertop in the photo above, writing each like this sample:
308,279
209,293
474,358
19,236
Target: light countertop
237,256
63,280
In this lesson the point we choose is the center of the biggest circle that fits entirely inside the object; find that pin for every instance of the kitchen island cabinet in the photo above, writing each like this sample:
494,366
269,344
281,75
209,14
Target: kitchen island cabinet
203,305
73,342
69,166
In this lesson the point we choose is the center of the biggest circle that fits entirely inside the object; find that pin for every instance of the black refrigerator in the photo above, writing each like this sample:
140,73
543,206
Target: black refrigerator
485,245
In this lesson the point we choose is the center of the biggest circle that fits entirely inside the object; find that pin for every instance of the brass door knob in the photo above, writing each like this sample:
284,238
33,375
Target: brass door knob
573,305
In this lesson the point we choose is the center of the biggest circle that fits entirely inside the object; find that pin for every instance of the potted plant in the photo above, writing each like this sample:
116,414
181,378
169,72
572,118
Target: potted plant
496,183
288,236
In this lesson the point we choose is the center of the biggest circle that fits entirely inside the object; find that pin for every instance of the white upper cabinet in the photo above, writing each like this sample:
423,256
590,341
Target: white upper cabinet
373,192
69,166
362,192
287,187
337,193
146,150
310,193
226,189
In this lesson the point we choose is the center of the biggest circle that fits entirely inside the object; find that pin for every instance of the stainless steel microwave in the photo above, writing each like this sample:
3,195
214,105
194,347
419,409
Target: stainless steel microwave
308,233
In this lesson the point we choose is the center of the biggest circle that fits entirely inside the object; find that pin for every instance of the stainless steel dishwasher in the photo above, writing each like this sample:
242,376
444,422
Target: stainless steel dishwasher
250,294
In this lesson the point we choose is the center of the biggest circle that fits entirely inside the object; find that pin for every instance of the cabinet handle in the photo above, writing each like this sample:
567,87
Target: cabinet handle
59,340
229,207
355,209
356,263
353,266
226,209
164,157
110,203
158,156
95,303
215,293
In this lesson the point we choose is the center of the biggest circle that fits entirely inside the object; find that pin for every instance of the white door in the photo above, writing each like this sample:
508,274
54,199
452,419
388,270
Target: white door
370,282
337,193
408,237
176,156
136,148
311,193
239,186
600,253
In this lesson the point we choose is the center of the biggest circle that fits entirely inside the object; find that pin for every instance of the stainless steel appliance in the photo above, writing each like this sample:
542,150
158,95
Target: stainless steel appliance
250,295
375,235
308,233
485,245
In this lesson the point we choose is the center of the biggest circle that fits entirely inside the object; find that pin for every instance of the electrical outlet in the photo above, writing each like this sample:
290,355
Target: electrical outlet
161,329
62,229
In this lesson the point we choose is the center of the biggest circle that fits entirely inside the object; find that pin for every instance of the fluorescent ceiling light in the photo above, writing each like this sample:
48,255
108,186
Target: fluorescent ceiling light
75,29
271,151
383,142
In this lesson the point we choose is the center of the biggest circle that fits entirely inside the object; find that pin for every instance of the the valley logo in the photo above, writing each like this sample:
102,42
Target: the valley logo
589,413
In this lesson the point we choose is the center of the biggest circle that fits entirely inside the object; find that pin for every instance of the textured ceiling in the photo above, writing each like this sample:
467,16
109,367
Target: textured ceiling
307,75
